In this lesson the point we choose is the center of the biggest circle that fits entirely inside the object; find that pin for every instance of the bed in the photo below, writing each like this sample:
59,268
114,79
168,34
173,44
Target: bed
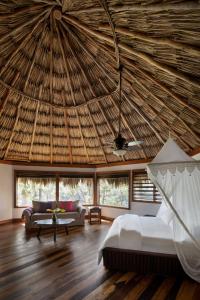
142,244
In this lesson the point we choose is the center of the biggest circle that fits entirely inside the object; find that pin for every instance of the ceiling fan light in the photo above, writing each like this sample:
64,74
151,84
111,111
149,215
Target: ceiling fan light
119,152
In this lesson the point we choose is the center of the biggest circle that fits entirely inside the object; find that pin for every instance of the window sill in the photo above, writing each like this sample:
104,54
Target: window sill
118,207
150,202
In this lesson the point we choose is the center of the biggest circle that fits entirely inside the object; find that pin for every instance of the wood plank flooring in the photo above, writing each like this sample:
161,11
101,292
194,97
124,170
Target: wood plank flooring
68,270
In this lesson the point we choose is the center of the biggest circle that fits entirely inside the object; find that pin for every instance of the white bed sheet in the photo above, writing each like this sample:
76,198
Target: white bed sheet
134,232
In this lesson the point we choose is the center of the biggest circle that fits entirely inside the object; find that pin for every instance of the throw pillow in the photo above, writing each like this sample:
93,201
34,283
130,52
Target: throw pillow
41,206
66,205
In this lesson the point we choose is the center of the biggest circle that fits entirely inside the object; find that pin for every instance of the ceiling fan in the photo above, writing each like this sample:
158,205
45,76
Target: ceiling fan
120,145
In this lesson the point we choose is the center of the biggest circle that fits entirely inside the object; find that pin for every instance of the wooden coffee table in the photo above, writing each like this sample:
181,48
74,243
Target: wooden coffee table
49,223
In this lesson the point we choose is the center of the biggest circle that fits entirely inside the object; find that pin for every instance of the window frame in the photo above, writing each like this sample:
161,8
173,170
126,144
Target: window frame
142,171
109,174
54,174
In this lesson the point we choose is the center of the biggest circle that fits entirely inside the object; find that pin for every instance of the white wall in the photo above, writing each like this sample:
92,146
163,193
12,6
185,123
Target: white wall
17,212
6,192
7,210
137,208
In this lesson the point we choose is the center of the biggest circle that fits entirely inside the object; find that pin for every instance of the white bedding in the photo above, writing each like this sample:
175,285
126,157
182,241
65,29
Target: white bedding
139,233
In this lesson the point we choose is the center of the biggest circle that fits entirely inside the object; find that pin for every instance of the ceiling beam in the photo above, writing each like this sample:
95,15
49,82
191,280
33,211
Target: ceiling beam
66,120
125,121
159,116
162,86
92,91
7,94
163,104
140,8
34,57
82,46
134,106
24,41
14,128
71,90
51,87
141,55
34,129
155,40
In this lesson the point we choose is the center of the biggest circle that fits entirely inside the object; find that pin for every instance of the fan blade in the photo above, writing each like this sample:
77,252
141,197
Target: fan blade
132,148
135,143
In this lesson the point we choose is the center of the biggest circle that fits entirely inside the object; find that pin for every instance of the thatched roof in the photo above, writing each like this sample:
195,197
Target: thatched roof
59,82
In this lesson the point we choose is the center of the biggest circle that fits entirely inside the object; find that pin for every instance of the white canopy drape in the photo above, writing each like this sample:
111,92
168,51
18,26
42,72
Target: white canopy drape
177,177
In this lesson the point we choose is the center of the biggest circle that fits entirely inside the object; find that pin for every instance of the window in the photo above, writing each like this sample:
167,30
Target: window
144,189
38,189
114,191
76,188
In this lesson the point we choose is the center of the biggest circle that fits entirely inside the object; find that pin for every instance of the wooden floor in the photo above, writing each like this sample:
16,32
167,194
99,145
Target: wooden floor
68,270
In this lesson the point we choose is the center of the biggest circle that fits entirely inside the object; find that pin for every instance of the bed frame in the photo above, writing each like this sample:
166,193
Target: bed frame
141,261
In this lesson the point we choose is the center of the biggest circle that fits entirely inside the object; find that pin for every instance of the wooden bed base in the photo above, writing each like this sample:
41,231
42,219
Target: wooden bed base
141,261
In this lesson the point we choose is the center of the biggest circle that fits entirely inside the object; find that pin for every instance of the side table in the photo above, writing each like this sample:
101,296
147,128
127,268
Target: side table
94,215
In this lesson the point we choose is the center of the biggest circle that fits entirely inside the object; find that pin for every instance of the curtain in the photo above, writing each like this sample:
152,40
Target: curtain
179,185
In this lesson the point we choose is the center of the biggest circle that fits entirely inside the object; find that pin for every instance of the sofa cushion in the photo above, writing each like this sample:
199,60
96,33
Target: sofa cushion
41,206
69,206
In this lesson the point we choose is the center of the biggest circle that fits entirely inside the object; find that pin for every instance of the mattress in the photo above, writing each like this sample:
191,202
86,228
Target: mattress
133,232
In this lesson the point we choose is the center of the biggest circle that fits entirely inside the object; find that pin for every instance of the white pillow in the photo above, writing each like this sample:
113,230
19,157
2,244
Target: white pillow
165,213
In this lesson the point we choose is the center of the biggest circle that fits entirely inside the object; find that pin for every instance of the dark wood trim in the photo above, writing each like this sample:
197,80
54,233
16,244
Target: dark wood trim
124,163
150,202
57,188
61,165
107,173
194,151
51,173
109,206
42,164
54,174
131,187
141,261
9,221
95,189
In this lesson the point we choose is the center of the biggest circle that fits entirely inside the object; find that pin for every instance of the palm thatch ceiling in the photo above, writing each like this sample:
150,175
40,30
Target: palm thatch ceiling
59,82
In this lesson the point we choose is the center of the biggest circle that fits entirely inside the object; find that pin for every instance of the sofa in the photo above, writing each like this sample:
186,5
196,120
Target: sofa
38,211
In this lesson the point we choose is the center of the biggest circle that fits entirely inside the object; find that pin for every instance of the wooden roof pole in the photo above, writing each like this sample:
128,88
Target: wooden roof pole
14,127
163,104
156,40
34,129
133,106
80,43
66,120
158,115
163,87
72,94
24,41
91,88
91,118
5,99
145,118
86,78
95,128
34,57
95,100
51,88
124,119
131,51
137,8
